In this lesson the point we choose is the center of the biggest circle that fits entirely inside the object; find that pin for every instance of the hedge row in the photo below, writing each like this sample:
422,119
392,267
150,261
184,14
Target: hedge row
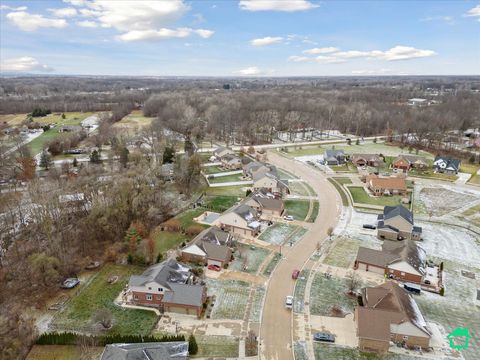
69,338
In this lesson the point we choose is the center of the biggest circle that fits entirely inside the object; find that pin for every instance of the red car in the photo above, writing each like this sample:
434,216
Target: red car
214,267
295,274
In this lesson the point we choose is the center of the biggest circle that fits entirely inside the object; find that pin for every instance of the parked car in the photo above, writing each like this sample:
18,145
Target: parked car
70,283
214,267
288,218
413,288
428,282
295,274
289,302
324,337
369,226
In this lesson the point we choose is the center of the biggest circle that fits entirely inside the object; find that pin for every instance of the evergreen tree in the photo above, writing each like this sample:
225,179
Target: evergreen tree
168,154
75,162
95,157
192,345
124,156
46,160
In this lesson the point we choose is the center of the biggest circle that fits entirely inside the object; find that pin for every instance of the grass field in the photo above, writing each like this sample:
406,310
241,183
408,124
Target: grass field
61,352
272,264
134,121
186,217
343,253
314,214
344,168
238,191
226,179
13,119
297,208
326,293
251,256
430,174
220,203
166,240
99,294
475,179
231,298
360,196
343,180
340,191
217,346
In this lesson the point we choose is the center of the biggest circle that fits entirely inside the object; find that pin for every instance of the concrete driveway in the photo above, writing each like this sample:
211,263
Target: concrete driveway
342,328
276,325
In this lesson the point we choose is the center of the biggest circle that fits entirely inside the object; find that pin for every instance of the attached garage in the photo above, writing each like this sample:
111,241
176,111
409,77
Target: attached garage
370,267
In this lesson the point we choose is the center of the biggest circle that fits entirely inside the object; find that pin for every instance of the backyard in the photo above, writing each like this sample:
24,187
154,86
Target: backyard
217,346
166,240
213,169
360,196
99,294
60,352
239,191
220,203
231,298
226,179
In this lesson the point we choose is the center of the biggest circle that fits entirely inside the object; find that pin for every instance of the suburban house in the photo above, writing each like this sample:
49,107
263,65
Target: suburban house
334,157
231,162
220,152
175,350
256,168
372,160
389,314
400,260
396,223
407,162
380,186
446,165
168,286
270,183
212,246
70,128
240,219
265,204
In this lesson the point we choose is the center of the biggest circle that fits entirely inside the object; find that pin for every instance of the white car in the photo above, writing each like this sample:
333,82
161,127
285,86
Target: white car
289,302
288,218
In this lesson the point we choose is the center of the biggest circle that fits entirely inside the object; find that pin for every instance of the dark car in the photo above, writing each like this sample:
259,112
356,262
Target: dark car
295,274
70,283
369,226
323,337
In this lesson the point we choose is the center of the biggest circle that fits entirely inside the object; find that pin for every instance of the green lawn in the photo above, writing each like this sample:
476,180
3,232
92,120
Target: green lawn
60,352
166,240
298,188
331,352
226,179
348,167
340,191
186,217
220,203
238,191
360,196
430,174
36,145
217,346
272,264
326,293
314,214
342,180
213,169
99,294
297,208
469,168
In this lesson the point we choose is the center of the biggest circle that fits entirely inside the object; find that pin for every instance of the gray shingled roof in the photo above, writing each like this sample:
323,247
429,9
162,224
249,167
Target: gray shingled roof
176,350
399,210
165,273
184,294
213,235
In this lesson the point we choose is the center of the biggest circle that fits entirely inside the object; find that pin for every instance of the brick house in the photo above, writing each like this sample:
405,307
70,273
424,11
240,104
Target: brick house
240,219
389,314
407,162
396,223
266,204
381,186
400,260
372,160
168,286
270,183
231,162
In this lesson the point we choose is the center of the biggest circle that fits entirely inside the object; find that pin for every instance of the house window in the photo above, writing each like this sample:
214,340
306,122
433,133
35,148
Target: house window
149,288
148,297
160,289
405,337
135,297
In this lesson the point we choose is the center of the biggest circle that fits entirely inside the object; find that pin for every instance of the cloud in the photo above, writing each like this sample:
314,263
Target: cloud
371,72
447,19
266,41
6,7
31,22
76,2
163,34
324,50
474,12
64,12
24,64
87,24
334,56
276,5
250,71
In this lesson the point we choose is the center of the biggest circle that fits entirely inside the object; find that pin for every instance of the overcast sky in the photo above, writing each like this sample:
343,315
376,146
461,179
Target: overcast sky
240,37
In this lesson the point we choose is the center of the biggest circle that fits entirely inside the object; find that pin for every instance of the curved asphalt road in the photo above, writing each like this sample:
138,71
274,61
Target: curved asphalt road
276,326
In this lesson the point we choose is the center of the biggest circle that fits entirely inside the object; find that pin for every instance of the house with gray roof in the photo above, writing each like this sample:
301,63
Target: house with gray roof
222,151
400,260
240,220
334,157
446,165
396,223
174,350
266,204
212,246
169,286
271,183
231,162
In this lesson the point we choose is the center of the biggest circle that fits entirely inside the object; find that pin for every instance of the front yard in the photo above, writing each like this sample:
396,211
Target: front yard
328,293
360,196
250,256
99,294
343,253
278,233
231,298
297,208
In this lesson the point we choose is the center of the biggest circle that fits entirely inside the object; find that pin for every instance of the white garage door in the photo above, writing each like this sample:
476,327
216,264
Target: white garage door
375,269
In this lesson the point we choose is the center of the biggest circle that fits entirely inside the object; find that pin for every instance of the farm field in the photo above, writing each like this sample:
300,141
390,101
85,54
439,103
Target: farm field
297,208
360,196
231,298
134,122
99,294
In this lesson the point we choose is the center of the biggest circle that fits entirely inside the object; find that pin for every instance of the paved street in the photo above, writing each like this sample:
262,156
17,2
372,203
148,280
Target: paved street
276,327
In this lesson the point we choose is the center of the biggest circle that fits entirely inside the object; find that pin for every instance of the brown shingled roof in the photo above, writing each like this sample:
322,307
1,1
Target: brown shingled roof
387,183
